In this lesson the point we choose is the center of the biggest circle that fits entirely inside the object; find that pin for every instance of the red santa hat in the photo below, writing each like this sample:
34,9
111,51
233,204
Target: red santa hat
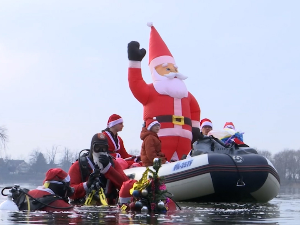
158,50
113,120
229,125
56,174
124,194
205,122
151,122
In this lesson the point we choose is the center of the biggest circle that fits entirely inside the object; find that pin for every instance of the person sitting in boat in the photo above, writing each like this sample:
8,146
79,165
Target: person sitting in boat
237,137
97,167
151,146
205,126
115,143
53,195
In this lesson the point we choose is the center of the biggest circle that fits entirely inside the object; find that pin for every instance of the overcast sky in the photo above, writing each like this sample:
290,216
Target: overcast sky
63,68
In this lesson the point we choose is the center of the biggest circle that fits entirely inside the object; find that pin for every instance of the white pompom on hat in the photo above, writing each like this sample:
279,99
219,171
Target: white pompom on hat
151,122
113,120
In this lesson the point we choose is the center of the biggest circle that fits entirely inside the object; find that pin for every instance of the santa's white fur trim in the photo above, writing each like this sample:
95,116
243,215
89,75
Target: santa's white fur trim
149,24
152,124
206,123
115,122
230,127
134,64
67,179
195,123
160,60
105,169
85,187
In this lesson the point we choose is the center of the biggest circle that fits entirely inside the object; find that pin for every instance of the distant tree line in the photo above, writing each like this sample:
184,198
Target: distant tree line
287,164
39,162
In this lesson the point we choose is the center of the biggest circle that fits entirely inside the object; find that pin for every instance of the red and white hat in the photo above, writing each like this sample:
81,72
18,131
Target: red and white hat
56,174
151,122
229,125
205,122
124,194
158,50
113,120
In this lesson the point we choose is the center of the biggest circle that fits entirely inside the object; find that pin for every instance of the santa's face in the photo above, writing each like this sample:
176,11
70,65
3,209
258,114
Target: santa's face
168,81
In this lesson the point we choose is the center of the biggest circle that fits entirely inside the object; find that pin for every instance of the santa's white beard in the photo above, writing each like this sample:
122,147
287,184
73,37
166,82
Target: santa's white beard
96,158
168,85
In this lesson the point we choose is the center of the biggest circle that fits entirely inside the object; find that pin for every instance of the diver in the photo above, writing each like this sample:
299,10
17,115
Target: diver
96,170
52,196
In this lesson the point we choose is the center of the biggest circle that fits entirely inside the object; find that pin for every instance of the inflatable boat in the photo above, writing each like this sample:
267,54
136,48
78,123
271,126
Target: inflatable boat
214,172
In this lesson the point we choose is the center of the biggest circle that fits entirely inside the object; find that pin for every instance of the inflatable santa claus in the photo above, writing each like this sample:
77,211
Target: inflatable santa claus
167,98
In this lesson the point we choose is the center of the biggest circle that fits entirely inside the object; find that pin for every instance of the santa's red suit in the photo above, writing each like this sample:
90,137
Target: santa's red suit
177,115
114,174
41,191
116,150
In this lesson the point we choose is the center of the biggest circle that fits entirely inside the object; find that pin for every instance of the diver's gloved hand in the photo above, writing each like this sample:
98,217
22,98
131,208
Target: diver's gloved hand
104,160
92,178
134,51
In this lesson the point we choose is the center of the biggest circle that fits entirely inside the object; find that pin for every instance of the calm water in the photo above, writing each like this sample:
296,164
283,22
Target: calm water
284,209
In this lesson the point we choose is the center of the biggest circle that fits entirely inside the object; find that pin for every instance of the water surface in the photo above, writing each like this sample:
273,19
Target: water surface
284,209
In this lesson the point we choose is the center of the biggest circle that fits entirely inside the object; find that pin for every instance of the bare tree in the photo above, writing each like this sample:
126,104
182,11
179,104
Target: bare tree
266,154
51,155
38,162
286,164
67,159
3,137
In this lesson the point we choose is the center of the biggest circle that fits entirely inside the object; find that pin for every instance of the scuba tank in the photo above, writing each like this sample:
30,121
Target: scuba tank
13,198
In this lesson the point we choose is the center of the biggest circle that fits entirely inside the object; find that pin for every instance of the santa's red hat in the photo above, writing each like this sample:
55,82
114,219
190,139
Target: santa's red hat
56,174
151,122
158,50
229,125
205,122
124,194
113,120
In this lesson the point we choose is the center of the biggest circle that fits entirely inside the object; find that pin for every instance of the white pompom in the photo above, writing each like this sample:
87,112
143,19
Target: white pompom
149,24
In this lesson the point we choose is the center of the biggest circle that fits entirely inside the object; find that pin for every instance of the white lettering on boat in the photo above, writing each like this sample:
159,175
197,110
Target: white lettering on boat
181,165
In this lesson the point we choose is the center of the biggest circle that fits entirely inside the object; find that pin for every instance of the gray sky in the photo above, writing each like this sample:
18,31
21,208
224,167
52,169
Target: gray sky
63,67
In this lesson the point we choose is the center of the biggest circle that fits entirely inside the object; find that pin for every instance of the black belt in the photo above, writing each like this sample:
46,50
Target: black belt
178,120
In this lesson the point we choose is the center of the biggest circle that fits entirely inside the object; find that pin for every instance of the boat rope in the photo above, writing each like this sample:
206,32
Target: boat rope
240,182
173,200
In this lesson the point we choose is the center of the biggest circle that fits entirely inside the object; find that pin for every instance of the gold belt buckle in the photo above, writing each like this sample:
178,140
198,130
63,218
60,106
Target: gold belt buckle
175,120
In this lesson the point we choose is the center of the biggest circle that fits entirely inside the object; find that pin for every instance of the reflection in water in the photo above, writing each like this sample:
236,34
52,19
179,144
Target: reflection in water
191,213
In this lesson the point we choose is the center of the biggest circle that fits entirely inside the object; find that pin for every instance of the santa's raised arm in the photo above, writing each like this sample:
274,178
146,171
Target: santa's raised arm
167,98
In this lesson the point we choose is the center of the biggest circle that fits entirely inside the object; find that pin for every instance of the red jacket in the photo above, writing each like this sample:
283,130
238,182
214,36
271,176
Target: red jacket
116,150
151,147
114,174
41,191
